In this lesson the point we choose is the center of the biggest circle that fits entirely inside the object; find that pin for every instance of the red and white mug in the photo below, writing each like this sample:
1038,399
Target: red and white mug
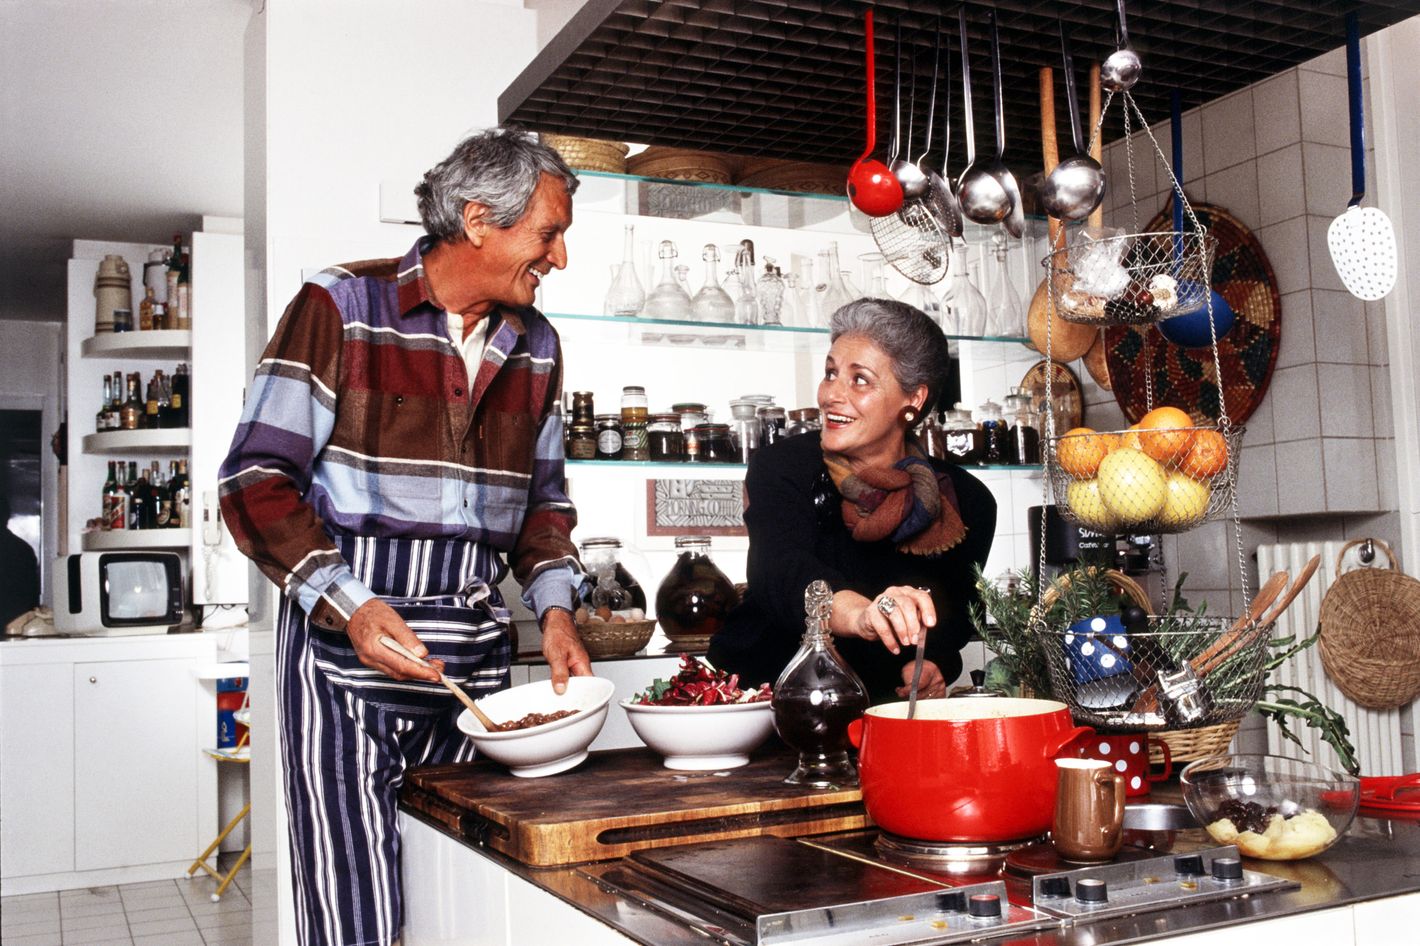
1128,753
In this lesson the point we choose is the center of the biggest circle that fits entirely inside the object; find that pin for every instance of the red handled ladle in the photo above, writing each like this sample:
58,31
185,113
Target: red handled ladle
871,185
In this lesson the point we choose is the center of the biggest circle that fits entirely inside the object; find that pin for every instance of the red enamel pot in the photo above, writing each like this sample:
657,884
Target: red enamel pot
963,770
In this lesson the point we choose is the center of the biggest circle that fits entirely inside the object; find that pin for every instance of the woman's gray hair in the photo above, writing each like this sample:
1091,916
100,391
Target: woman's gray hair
907,335
499,168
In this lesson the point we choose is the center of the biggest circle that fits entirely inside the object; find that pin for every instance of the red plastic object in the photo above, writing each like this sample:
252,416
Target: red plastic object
871,186
986,774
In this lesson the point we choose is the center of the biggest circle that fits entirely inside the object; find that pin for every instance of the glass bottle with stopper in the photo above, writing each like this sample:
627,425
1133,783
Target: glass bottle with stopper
815,699
711,303
667,300
746,305
626,297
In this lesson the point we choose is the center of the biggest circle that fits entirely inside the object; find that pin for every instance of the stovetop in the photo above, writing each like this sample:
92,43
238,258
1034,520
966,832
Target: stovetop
847,888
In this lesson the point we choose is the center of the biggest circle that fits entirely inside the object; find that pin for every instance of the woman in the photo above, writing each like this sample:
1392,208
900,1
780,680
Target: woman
893,532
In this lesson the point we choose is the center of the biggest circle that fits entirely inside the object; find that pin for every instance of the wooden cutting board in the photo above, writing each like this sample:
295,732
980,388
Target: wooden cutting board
623,801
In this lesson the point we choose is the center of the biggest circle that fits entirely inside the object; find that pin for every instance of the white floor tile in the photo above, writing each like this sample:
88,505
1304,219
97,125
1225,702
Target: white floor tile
234,936
99,934
143,915
28,927
181,924
92,921
193,938
37,939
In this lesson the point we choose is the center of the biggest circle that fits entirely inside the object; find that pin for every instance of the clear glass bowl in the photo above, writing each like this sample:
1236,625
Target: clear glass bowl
1238,798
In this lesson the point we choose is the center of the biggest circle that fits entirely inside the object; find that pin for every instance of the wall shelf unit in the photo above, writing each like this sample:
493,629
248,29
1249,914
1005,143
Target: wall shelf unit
158,343
173,440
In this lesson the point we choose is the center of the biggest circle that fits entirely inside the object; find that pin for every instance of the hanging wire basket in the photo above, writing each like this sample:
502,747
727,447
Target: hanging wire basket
1131,279
914,242
1186,671
1145,481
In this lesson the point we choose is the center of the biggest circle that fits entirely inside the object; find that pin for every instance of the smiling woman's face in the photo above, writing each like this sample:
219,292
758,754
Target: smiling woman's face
861,402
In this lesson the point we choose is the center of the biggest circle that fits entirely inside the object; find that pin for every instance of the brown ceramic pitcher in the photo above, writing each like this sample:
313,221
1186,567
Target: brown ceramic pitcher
1089,810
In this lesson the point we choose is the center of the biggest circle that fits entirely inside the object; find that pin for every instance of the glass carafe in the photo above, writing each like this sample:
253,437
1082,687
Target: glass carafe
695,596
963,304
682,279
711,303
815,699
793,313
613,588
1005,313
831,293
746,305
922,297
626,296
769,292
668,300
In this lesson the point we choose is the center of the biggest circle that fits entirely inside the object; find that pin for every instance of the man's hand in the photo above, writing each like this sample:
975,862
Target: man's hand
563,650
375,619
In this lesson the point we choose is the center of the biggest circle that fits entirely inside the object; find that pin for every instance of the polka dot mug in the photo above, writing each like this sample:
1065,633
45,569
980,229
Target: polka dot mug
1128,753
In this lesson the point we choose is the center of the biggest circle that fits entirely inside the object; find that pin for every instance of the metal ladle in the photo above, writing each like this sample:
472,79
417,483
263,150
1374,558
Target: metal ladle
1015,220
1076,186
980,193
871,186
909,175
1121,70
940,199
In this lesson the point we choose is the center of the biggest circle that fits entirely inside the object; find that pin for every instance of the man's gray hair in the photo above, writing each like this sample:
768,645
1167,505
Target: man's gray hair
907,335
499,168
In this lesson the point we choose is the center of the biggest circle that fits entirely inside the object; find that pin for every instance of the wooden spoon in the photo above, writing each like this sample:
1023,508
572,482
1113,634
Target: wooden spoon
454,688
1068,340
1095,361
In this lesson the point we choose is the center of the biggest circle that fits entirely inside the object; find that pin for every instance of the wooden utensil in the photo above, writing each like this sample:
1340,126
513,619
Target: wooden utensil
454,688
1264,623
1095,361
1068,340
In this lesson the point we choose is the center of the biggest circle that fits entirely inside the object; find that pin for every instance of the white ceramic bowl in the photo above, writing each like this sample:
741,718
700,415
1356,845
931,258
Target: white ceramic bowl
552,747
702,737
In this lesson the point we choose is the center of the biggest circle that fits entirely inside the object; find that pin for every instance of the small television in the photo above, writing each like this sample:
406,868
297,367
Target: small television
112,593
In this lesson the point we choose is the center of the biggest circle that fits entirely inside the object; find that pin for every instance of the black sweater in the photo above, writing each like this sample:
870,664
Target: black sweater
796,534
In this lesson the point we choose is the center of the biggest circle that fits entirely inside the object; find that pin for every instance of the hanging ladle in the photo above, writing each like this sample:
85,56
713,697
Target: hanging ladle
909,175
1076,186
980,193
1121,70
871,186
1015,221
940,199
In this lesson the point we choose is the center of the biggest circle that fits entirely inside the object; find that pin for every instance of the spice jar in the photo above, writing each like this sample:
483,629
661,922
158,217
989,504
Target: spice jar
965,442
1023,439
744,429
695,596
715,444
993,432
582,412
609,437
803,420
932,436
581,442
634,415
614,588
664,438
771,419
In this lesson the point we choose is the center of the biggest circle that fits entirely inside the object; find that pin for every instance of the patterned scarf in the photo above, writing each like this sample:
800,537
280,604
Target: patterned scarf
908,503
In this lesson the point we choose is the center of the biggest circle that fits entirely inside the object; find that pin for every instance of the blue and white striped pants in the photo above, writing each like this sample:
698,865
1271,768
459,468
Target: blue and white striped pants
348,732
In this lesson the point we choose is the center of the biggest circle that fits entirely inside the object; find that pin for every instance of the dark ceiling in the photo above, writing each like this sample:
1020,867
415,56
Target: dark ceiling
784,78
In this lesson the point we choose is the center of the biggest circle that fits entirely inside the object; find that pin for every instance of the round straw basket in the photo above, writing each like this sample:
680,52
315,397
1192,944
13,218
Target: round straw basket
680,164
612,639
1123,582
799,177
1185,745
588,154
1370,632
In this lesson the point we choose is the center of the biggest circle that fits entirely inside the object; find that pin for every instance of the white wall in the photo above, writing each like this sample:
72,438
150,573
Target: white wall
32,380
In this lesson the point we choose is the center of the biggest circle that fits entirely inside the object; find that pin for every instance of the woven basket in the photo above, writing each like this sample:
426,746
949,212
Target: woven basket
1123,582
610,639
680,164
1370,632
1185,745
799,177
588,154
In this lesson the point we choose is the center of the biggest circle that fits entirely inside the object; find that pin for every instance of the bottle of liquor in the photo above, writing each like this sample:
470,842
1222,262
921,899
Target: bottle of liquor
101,418
106,496
181,399
116,405
173,271
166,418
150,406
118,505
145,311
162,500
132,411
138,513
184,286
181,490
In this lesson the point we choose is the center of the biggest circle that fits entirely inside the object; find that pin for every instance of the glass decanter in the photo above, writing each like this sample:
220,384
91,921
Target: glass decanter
682,279
770,294
746,305
793,312
875,275
626,296
922,297
711,303
831,294
963,303
1005,313
815,699
668,300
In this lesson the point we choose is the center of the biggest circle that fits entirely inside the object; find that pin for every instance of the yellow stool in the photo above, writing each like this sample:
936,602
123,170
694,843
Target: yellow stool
227,755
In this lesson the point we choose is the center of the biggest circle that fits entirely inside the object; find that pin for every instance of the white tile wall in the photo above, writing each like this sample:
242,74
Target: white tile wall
1227,132
1277,121
1324,112
1280,193
1294,402
1345,400
1257,477
1324,274
1327,170
1298,345
1285,244
1236,188
1339,326
1259,424
1350,473
1301,487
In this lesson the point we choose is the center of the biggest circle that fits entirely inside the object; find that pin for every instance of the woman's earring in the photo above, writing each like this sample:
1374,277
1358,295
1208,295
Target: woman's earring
909,415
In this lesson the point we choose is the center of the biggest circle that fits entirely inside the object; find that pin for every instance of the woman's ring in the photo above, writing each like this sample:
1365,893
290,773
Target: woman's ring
887,605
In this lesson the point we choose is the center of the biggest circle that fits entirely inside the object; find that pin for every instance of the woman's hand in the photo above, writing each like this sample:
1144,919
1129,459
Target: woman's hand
899,616
931,685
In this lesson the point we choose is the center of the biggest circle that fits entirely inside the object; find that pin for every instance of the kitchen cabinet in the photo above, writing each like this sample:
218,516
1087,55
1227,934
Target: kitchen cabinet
104,780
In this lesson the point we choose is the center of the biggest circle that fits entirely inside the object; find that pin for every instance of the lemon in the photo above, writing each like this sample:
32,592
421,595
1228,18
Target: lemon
1083,497
1133,486
1186,503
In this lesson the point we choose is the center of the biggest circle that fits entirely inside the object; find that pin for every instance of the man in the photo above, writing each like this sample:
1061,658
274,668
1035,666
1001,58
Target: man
400,439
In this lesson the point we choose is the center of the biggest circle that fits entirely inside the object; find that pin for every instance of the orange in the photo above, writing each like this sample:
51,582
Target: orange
1160,433
1207,457
1127,439
1080,451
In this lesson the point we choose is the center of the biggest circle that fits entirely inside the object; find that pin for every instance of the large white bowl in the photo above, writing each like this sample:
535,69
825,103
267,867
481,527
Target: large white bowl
698,738
552,747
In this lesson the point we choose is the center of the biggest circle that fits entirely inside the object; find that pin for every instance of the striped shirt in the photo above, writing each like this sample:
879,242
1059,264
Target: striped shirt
362,420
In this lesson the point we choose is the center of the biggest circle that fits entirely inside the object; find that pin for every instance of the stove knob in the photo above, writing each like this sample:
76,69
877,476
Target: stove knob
984,906
951,902
1190,865
1055,887
1091,890
1227,869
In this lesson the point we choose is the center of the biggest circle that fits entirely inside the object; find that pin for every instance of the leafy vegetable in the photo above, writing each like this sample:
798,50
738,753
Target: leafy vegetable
699,684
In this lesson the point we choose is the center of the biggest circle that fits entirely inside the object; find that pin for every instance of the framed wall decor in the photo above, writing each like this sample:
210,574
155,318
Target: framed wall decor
695,507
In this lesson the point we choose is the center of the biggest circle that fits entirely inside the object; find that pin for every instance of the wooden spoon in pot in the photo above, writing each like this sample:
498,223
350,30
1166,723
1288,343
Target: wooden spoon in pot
454,688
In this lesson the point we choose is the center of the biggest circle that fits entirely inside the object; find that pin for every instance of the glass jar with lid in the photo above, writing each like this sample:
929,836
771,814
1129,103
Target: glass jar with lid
664,438
613,587
582,410
1023,439
932,436
608,436
993,432
695,597
692,415
634,414
581,442
744,428
803,420
714,444
965,443
774,423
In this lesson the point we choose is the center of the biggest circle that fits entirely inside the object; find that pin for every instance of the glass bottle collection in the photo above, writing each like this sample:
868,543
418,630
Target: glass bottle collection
167,294
128,404
989,436
141,498
684,434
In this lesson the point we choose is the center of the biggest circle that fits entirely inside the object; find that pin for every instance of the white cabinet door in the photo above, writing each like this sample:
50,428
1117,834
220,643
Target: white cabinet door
36,769
136,763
